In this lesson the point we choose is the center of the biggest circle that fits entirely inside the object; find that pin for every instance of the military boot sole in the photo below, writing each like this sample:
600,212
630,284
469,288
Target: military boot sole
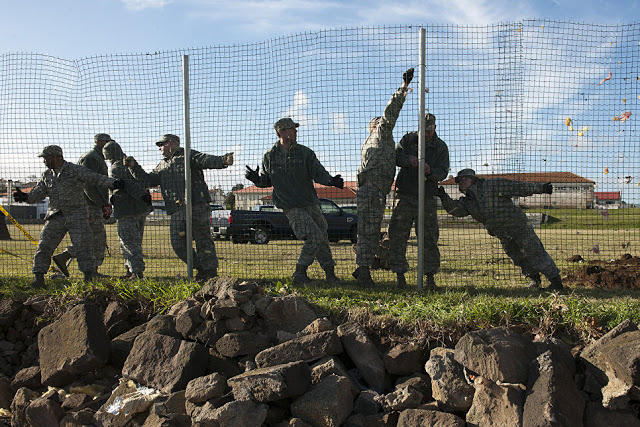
62,265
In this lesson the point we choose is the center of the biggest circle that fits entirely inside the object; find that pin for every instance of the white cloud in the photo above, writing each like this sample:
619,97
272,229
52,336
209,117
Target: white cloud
298,111
145,4
339,124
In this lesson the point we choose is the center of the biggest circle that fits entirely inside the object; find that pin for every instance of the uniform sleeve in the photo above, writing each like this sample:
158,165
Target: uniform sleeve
391,113
90,177
206,161
402,159
131,185
454,207
37,193
508,188
148,179
440,170
318,173
97,195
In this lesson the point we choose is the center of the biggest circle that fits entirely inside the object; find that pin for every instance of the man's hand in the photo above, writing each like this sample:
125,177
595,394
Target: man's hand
129,161
227,159
107,210
547,188
337,181
19,196
252,175
119,184
407,76
147,199
442,193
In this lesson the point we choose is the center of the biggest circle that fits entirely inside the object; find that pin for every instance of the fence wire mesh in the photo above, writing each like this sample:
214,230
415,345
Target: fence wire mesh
535,101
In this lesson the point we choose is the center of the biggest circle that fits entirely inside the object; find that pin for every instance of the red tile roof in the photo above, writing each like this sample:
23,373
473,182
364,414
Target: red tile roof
607,195
554,177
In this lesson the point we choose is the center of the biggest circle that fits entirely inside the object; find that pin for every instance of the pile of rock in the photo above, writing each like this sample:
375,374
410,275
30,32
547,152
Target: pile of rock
233,356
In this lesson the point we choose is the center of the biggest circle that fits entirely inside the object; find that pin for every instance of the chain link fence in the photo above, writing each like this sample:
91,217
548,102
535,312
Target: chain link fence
536,101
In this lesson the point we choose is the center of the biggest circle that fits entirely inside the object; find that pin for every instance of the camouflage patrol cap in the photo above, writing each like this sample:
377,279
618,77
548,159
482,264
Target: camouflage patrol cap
429,121
285,123
51,150
102,137
464,173
168,138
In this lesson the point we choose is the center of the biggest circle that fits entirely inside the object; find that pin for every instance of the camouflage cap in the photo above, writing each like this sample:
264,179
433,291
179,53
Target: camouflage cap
102,137
429,120
464,173
285,123
51,150
168,138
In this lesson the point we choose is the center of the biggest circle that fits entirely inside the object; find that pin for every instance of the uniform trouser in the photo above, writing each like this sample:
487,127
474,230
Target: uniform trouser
371,203
527,252
130,232
55,227
309,225
98,236
405,214
204,256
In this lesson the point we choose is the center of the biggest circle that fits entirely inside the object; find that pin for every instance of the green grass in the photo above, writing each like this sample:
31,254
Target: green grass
481,288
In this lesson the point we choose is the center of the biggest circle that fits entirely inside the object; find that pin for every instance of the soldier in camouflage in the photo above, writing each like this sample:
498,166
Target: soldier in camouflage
489,202
169,175
291,169
131,206
63,183
405,214
97,199
375,177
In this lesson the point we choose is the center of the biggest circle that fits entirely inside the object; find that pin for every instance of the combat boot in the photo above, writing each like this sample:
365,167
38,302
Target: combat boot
61,262
89,275
364,278
534,281
330,276
555,285
300,275
402,282
430,282
136,276
38,283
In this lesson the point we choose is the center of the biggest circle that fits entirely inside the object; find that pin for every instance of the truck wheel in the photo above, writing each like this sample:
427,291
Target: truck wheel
261,235
353,235
238,239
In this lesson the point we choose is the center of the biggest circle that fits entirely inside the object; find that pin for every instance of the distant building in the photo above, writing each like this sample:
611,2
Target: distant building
608,199
569,190
249,197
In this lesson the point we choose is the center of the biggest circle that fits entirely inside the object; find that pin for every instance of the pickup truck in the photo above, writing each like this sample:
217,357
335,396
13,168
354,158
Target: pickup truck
265,222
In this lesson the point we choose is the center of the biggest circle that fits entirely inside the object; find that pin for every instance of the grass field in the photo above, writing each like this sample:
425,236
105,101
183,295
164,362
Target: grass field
481,287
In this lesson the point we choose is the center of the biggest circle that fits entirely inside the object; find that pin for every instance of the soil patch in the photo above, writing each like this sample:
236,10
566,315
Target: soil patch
623,273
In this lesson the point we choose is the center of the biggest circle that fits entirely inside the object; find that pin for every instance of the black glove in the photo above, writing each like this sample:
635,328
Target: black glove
547,188
147,199
252,175
407,76
441,193
337,181
19,196
119,184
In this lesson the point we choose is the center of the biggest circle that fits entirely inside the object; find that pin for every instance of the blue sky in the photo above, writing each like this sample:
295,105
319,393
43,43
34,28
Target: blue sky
74,29
139,96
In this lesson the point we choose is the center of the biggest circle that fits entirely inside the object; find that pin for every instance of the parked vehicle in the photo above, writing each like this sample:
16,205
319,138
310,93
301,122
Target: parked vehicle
265,222
352,209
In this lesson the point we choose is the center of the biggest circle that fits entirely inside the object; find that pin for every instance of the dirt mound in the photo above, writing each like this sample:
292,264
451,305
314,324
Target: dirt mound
623,273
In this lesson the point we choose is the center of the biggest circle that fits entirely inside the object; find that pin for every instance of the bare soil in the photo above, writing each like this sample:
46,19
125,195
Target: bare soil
623,273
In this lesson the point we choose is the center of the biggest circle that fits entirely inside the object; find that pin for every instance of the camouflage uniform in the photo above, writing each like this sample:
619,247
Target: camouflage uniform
67,212
375,178
129,209
95,197
292,174
489,202
169,175
406,212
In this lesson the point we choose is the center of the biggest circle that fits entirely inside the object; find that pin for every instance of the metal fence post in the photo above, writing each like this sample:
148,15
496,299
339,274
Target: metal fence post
187,163
421,154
